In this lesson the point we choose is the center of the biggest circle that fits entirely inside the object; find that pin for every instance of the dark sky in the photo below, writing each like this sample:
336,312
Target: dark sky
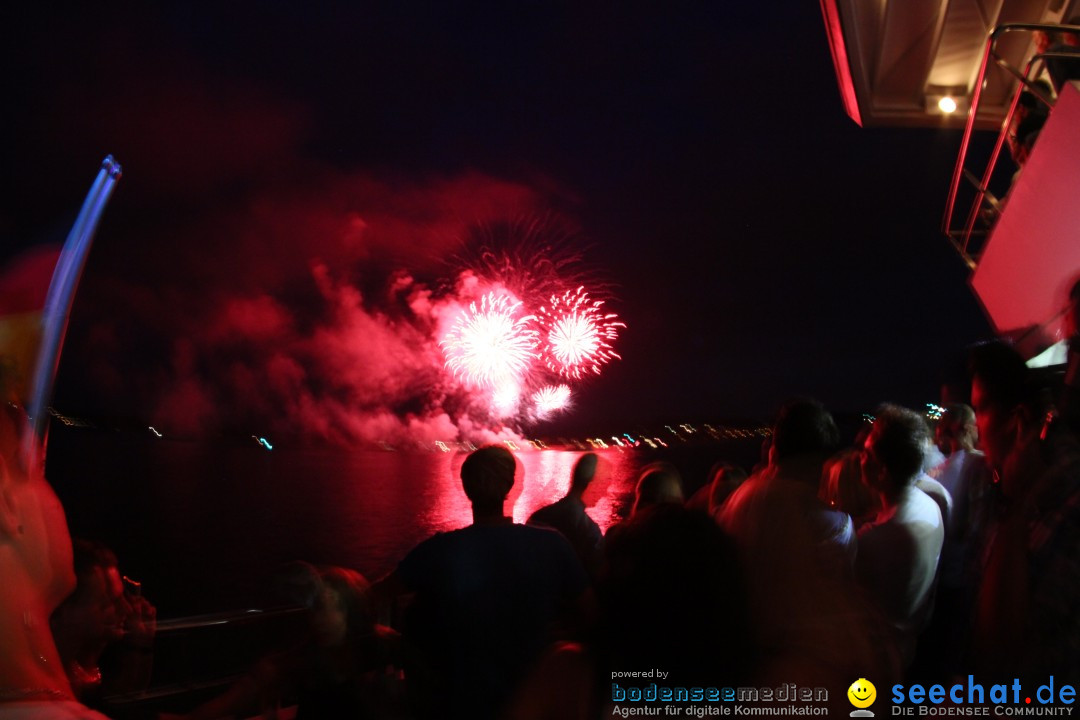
285,162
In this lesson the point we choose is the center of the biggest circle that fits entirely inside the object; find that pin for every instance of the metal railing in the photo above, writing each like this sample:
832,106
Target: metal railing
229,617
961,239
198,657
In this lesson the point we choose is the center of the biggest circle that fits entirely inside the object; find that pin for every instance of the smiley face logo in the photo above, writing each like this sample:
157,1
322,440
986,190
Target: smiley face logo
862,693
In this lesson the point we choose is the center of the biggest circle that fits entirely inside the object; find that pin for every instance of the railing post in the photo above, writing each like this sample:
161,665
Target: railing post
954,187
958,171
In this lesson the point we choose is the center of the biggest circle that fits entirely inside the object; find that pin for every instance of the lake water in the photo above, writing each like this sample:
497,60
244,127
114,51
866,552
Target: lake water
205,526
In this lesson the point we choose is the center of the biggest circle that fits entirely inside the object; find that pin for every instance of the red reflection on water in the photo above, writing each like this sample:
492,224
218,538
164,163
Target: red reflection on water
448,509
243,511
547,478
542,478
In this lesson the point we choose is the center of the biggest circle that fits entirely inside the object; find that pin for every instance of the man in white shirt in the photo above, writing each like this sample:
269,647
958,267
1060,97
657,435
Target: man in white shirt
899,549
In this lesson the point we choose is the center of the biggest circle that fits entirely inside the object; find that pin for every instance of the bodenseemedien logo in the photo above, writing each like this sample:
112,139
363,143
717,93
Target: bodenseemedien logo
862,694
695,701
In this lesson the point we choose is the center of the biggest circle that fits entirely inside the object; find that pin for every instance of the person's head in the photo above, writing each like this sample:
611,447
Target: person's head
804,428
658,484
487,476
1031,100
843,487
1006,401
341,607
893,454
956,429
725,479
95,613
584,471
1022,135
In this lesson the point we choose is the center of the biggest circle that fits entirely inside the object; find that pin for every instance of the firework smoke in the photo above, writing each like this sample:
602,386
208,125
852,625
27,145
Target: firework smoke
355,342
274,292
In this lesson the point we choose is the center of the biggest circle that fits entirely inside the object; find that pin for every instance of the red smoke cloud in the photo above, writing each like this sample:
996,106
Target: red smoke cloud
240,285
304,318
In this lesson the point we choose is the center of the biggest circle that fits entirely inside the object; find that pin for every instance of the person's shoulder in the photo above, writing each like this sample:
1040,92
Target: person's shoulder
542,538
512,533
883,538
435,540
882,525
922,505
757,485
546,514
972,460
539,533
435,544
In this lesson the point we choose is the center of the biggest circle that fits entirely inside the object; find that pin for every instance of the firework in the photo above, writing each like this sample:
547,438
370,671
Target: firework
535,257
504,399
529,336
577,334
550,398
491,345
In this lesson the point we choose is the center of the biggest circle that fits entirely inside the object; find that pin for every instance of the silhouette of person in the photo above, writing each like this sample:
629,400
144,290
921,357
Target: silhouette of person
1026,621
568,515
486,598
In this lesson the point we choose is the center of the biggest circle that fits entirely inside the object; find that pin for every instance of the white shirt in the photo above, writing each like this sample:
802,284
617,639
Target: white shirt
897,561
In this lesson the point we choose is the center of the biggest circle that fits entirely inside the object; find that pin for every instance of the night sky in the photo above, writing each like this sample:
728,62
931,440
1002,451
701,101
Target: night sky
286,164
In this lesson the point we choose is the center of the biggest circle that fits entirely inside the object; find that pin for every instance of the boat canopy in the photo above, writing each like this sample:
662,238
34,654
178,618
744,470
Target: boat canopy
901,62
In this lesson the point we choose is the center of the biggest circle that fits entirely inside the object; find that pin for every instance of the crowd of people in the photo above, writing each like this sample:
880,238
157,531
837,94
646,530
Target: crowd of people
911,553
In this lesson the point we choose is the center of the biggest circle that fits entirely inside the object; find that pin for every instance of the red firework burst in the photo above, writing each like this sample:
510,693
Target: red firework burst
550,398
577,334
492,344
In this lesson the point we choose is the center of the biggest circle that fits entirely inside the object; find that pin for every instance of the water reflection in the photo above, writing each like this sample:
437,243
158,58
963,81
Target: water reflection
541,479
547,478
205,527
